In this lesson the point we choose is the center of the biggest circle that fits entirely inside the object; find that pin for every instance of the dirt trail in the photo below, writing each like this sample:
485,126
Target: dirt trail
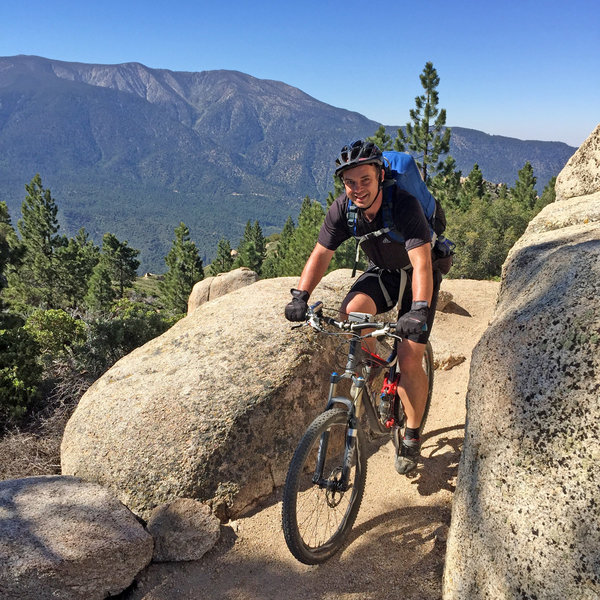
397,546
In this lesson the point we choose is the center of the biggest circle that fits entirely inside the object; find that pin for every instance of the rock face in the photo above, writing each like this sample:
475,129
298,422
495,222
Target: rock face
184,529
213,287
210,410
63,538
581,174
525,515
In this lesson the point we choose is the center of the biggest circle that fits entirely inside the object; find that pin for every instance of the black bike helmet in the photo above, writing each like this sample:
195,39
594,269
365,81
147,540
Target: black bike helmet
358,153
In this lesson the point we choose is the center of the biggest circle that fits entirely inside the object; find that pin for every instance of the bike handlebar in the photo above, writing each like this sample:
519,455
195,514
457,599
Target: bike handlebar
356,323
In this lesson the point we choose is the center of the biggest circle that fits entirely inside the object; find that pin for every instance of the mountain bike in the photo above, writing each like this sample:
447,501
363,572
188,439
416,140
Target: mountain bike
326,477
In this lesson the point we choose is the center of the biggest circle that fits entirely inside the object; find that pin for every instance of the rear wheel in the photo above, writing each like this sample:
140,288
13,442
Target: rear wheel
317,516
428,368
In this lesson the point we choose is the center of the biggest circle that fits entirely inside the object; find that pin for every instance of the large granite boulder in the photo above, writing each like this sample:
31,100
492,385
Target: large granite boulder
581,175
223,283
64,538
184,529
210,410
525,515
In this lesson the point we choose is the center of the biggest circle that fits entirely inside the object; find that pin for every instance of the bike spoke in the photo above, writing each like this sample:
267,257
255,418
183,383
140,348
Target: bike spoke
319,508
321,512
318,521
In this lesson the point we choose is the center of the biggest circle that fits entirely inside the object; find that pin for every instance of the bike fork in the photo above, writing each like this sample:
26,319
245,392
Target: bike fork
340,484
351,435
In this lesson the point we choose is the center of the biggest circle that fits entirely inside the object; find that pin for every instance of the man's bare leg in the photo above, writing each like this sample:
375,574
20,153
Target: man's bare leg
359,302
414,384
413,389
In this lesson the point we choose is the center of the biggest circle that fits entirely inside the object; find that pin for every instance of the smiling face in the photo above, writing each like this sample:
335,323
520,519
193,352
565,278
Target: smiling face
362,185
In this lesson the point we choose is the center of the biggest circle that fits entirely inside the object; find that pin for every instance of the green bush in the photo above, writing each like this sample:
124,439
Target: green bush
20,374
129,325
55,331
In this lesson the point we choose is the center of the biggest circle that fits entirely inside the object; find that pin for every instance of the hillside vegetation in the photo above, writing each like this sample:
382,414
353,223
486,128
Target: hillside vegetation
134,151
71,307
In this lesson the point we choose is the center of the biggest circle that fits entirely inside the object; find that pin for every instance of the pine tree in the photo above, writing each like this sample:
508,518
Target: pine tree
381,139
223,260
485,227
252,248
9,245
35,283
246,254
74,268
472,188
305,237
273,265
548,196
426,136
445,184
120,261
524,191
509,218
185,269
100,294
260,244
480,252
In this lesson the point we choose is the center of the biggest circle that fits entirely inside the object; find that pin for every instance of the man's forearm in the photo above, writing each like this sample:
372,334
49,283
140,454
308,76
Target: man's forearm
422,279
315,268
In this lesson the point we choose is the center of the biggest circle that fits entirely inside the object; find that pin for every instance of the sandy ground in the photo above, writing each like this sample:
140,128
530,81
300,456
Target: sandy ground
397,546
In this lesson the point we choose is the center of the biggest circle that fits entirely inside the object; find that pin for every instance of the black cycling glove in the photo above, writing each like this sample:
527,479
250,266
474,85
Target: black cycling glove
296,309
414,321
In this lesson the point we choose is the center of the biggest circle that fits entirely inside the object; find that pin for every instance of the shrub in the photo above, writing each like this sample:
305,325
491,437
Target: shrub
20,374
55,331
129,325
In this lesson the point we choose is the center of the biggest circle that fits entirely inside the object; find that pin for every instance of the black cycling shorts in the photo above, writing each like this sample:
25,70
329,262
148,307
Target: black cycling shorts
384,286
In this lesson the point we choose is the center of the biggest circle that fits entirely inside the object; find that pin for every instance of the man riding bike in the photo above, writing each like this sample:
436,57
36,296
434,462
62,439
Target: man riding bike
398,273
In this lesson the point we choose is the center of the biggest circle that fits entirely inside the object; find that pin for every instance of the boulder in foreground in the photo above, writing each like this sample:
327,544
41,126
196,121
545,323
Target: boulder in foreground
64,538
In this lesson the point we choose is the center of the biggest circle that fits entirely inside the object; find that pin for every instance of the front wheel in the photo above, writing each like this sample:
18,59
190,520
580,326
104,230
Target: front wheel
320,504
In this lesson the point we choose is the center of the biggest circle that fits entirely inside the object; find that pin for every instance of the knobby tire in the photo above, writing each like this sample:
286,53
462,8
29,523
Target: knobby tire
316,522
428,367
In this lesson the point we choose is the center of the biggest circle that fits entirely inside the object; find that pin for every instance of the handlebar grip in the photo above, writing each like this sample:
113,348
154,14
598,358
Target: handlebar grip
316,307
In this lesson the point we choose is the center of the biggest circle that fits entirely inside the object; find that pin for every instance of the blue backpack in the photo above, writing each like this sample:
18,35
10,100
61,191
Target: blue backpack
402,170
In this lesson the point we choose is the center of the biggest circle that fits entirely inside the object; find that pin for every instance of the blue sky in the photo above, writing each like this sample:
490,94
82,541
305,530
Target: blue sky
521,68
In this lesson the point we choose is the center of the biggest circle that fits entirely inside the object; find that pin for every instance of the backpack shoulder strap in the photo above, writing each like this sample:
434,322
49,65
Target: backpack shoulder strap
387,214
351,216
387,211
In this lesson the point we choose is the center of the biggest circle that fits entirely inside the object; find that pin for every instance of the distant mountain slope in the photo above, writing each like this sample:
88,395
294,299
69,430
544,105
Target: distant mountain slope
133,150
500,158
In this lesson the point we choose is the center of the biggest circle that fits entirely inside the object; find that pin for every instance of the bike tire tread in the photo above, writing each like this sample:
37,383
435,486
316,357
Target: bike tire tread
289,518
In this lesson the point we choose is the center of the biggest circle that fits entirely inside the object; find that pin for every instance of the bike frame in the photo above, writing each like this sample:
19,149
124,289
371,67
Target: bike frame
326,478
359,399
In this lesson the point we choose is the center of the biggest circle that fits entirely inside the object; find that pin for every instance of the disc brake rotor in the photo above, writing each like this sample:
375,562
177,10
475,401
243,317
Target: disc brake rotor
333,494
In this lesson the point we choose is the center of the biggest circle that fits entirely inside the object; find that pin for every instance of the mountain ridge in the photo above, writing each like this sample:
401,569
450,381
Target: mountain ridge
134,150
